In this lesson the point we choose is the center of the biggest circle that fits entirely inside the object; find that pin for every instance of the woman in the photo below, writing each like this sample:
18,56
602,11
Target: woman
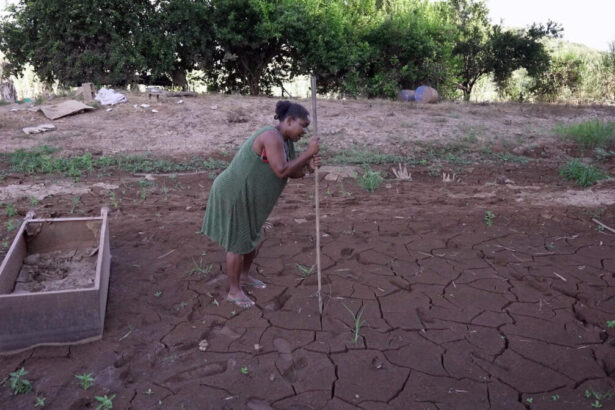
242,197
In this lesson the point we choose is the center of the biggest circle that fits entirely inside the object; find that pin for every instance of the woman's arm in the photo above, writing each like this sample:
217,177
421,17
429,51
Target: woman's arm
277,159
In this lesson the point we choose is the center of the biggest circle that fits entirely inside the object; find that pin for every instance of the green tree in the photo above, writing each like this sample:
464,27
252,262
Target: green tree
75,41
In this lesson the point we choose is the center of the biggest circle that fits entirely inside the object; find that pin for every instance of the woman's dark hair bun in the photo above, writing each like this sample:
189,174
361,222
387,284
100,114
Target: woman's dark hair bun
285,109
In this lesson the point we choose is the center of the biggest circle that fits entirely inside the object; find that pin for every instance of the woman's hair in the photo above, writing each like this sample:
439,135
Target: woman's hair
285,109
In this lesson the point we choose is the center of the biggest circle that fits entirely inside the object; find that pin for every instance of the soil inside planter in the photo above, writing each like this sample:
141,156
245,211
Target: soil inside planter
58,270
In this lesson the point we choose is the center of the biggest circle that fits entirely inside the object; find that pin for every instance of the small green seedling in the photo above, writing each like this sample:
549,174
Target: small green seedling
550,246
200,268
555,397
19,384
597,404
10,210
115,203
215,302
105,402
233,313
244,370
85,380
370,180
157,294
358,323
10,225
39,402
149,392
610,323
33,200
489,217
305,271
530,400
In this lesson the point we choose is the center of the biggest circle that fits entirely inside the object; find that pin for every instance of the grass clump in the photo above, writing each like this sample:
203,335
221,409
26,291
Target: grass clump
589,133
584,175
370,180
361,156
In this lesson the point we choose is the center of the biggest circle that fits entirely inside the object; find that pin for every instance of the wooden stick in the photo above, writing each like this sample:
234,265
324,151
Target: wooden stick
316,198
608,228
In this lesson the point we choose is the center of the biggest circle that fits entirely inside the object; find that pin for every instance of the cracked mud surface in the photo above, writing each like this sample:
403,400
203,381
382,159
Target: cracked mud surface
458,314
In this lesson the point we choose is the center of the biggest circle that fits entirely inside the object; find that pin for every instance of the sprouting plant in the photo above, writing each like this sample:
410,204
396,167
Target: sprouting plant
33,200
357,323
39,402
597,397
158,293
610,323
115,203
555,397
200,268
370,180
75,201
19,384
10,225
105,402
165,192
530,400
489,216
597,404
10,210
215,302
244,370
550,246
343,191
85,380
149,391
305,271
233,313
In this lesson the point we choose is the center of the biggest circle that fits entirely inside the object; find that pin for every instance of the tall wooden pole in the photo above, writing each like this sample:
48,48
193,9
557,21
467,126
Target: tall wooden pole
316,198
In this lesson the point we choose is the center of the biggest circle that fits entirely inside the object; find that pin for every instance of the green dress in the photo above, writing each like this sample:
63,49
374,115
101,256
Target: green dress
242,197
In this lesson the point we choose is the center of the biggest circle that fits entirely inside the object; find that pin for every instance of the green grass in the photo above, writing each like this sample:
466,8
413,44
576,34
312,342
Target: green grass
584,175
361,156
589,133
44,160
370,180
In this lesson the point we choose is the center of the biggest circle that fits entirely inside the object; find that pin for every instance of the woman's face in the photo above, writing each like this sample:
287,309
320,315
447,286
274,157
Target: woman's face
296,128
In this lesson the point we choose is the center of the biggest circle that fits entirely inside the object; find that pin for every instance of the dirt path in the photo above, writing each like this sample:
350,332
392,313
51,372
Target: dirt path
217,123
459,314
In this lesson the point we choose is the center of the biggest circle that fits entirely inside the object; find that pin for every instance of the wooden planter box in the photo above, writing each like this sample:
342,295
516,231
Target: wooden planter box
58,317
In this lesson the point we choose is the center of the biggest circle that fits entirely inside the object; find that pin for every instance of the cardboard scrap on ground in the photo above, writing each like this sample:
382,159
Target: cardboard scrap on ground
55,111
39,128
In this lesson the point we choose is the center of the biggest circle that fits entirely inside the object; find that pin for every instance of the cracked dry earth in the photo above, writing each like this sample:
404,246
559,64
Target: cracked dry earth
458,314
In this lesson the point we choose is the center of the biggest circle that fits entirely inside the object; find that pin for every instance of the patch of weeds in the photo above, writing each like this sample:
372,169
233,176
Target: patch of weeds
200,268
33,200
589,133
343,191
74,203
41,161
244,370
610,324
10,225
39,402
105,402
489,217
357,323
9,210
584,175
115,202
508,157
597,397
361,156
19,384
85,380
304,270
370,180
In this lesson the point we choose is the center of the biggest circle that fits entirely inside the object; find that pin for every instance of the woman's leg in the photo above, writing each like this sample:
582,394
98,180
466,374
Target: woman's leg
246,278
234,267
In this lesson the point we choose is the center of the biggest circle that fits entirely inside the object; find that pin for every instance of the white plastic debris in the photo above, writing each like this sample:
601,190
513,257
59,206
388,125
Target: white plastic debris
180,102
39,128
107,96
154,110
144,105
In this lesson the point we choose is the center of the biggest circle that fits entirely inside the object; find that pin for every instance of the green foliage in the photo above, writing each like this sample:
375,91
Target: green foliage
589,133
357,323
489,217
370,180
85,380
584,175
19,384
105,402
39,402
361,155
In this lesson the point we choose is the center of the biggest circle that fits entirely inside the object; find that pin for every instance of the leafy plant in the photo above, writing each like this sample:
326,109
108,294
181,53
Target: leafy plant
10,225
85,380
39,402
19,384
74,203
584,175
114,201
357,322
489,217
33,200
304,270
589,133
610,323
158,293
244,370
105,402
10,210
370,180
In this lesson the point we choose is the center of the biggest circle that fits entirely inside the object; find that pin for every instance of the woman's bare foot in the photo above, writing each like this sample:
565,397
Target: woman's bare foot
240,299
251,281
